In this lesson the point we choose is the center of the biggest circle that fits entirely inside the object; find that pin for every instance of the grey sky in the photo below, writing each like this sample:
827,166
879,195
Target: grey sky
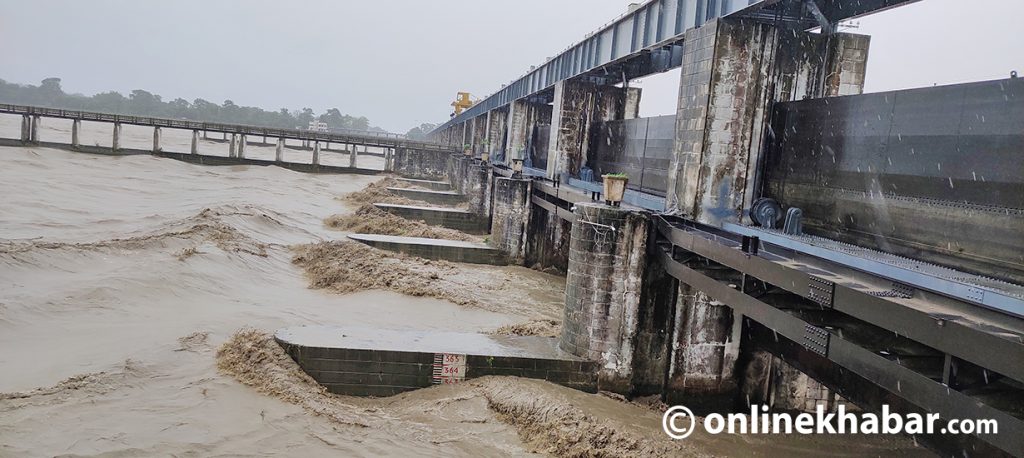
400,63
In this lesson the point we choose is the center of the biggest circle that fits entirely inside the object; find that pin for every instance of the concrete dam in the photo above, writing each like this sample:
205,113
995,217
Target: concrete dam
783,240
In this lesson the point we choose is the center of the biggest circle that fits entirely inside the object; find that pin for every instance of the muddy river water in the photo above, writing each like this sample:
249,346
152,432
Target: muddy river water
121,277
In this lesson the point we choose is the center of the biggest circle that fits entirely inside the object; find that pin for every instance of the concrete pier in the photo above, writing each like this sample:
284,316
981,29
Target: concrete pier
241,146
577,106
76,129
616,304
36,121
195,142
156,139
279,152
352,157
316,153
511,217
233,146
116,143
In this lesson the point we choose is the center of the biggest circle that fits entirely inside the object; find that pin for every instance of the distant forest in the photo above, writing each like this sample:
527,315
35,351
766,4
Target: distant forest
144,103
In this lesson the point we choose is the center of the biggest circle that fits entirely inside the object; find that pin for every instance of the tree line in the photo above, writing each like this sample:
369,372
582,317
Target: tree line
144,103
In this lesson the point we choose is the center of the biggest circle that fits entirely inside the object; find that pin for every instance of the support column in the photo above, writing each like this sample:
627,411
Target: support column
116,143
617,302
76,128
224,135
389,159
36,121
732,72
720,130
156,139
279,154
195,142
576,107
352,157
518,130
233,146
26,128
706,341
511,217
316,153
496,130
241,146
478,189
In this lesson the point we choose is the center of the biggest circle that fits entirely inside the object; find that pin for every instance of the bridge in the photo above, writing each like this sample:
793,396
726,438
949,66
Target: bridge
388,146
784,239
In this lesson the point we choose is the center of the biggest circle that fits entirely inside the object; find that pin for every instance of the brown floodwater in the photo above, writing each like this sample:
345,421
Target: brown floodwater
120,277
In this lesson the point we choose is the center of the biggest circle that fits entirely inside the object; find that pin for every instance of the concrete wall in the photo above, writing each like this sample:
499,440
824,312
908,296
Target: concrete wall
547,247
431,165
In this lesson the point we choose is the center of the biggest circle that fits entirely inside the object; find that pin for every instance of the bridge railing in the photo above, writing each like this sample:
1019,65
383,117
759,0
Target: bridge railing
362,138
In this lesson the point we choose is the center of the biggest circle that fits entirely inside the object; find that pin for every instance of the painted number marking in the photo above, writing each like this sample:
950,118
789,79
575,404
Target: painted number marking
449,368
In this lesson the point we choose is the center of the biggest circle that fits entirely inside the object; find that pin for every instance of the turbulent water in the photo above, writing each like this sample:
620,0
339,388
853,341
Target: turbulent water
120,277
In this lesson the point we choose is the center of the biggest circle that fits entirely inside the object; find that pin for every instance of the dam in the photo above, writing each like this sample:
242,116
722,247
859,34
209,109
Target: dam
782,240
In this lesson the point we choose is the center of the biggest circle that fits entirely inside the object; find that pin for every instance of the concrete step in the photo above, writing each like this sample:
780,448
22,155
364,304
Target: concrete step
451,218
448,250
358,361
429,184
434,197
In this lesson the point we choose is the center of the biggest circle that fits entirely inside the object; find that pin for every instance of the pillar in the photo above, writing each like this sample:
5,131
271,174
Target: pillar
478,189
156,139
389,159
732,72
224,135
511,217
772,382
76,129
720,130
206,135
241,146
617,302
279,154
518,130
116,143
705,348
233,146
576,108
26,128
316,152
478,137
496,131
36,121
195,141
352,157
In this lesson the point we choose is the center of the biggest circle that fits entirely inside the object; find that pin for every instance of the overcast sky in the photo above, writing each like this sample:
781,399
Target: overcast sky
400,62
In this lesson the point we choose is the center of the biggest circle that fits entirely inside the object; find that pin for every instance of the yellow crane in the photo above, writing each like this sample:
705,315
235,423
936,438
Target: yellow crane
462,102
